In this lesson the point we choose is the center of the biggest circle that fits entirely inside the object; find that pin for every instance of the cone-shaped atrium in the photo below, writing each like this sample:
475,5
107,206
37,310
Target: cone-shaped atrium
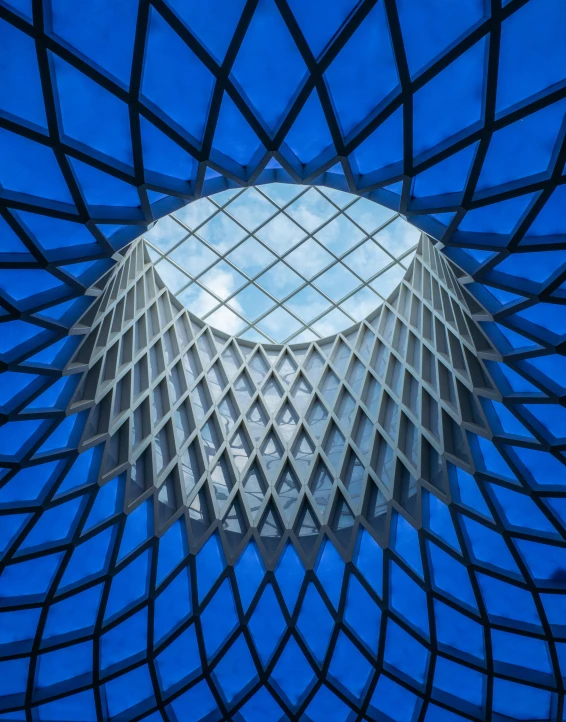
282,343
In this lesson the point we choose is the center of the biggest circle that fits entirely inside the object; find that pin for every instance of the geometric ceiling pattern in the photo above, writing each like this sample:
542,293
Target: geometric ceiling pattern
310,268
113,115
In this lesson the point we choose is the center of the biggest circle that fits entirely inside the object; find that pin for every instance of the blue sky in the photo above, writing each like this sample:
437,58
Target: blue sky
282,262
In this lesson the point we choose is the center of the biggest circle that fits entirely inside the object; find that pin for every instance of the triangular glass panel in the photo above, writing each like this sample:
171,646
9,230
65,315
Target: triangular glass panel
271,529
222,481
271,453
288,489
255,488
257,421
286,368
240,448
314,366
287,421
317,418
321,486
272,393
303,451
258,368
300,393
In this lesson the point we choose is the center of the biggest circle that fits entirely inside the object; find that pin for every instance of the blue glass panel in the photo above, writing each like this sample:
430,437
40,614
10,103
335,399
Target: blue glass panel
290,573
162,155
439,521
271,84
172,606
450,576
330,571
30,578
54,233
261,707
458,633
550,221
101,189
18,629
447,177
431,27
18,59
356,89
213,23
92,115
236,671
292,674
70,663
197,703
102,30
12,525
349,667
454,98
369,561
408,599
545,562
319,20
519,651
219,619
362,614
74,615
174,79
406,543
131,690
173,548
178,662
391,701
13,678
128,586
464,687
523,148
404,655
267,624
315,623
234,137
327,707
309,134
249,574
88,559
67,709
137,529
65,436
488,547
30,168
210,563
507,604
83,472
532,53
125,643
519,702
29,484
542,469
383,147
107,503
54,525
22,6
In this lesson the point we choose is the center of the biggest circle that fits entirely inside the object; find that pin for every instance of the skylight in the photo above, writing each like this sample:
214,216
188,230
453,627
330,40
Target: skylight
281,263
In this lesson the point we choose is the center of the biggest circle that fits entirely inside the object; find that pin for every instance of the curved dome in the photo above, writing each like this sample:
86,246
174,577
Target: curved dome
437,590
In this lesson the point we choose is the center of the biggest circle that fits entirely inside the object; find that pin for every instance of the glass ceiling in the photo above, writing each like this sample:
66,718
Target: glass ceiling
279,262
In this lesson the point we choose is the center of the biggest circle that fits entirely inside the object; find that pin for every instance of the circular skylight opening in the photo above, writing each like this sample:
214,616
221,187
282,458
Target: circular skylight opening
282,263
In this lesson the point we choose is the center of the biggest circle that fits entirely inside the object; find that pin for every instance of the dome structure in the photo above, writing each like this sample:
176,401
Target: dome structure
366,525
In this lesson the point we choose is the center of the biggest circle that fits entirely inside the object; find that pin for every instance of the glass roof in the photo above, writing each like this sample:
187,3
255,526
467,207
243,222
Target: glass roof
113,115
282,263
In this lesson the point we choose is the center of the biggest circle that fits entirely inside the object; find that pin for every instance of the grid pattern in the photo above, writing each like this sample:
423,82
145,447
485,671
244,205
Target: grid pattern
113,115
286,441
282,263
